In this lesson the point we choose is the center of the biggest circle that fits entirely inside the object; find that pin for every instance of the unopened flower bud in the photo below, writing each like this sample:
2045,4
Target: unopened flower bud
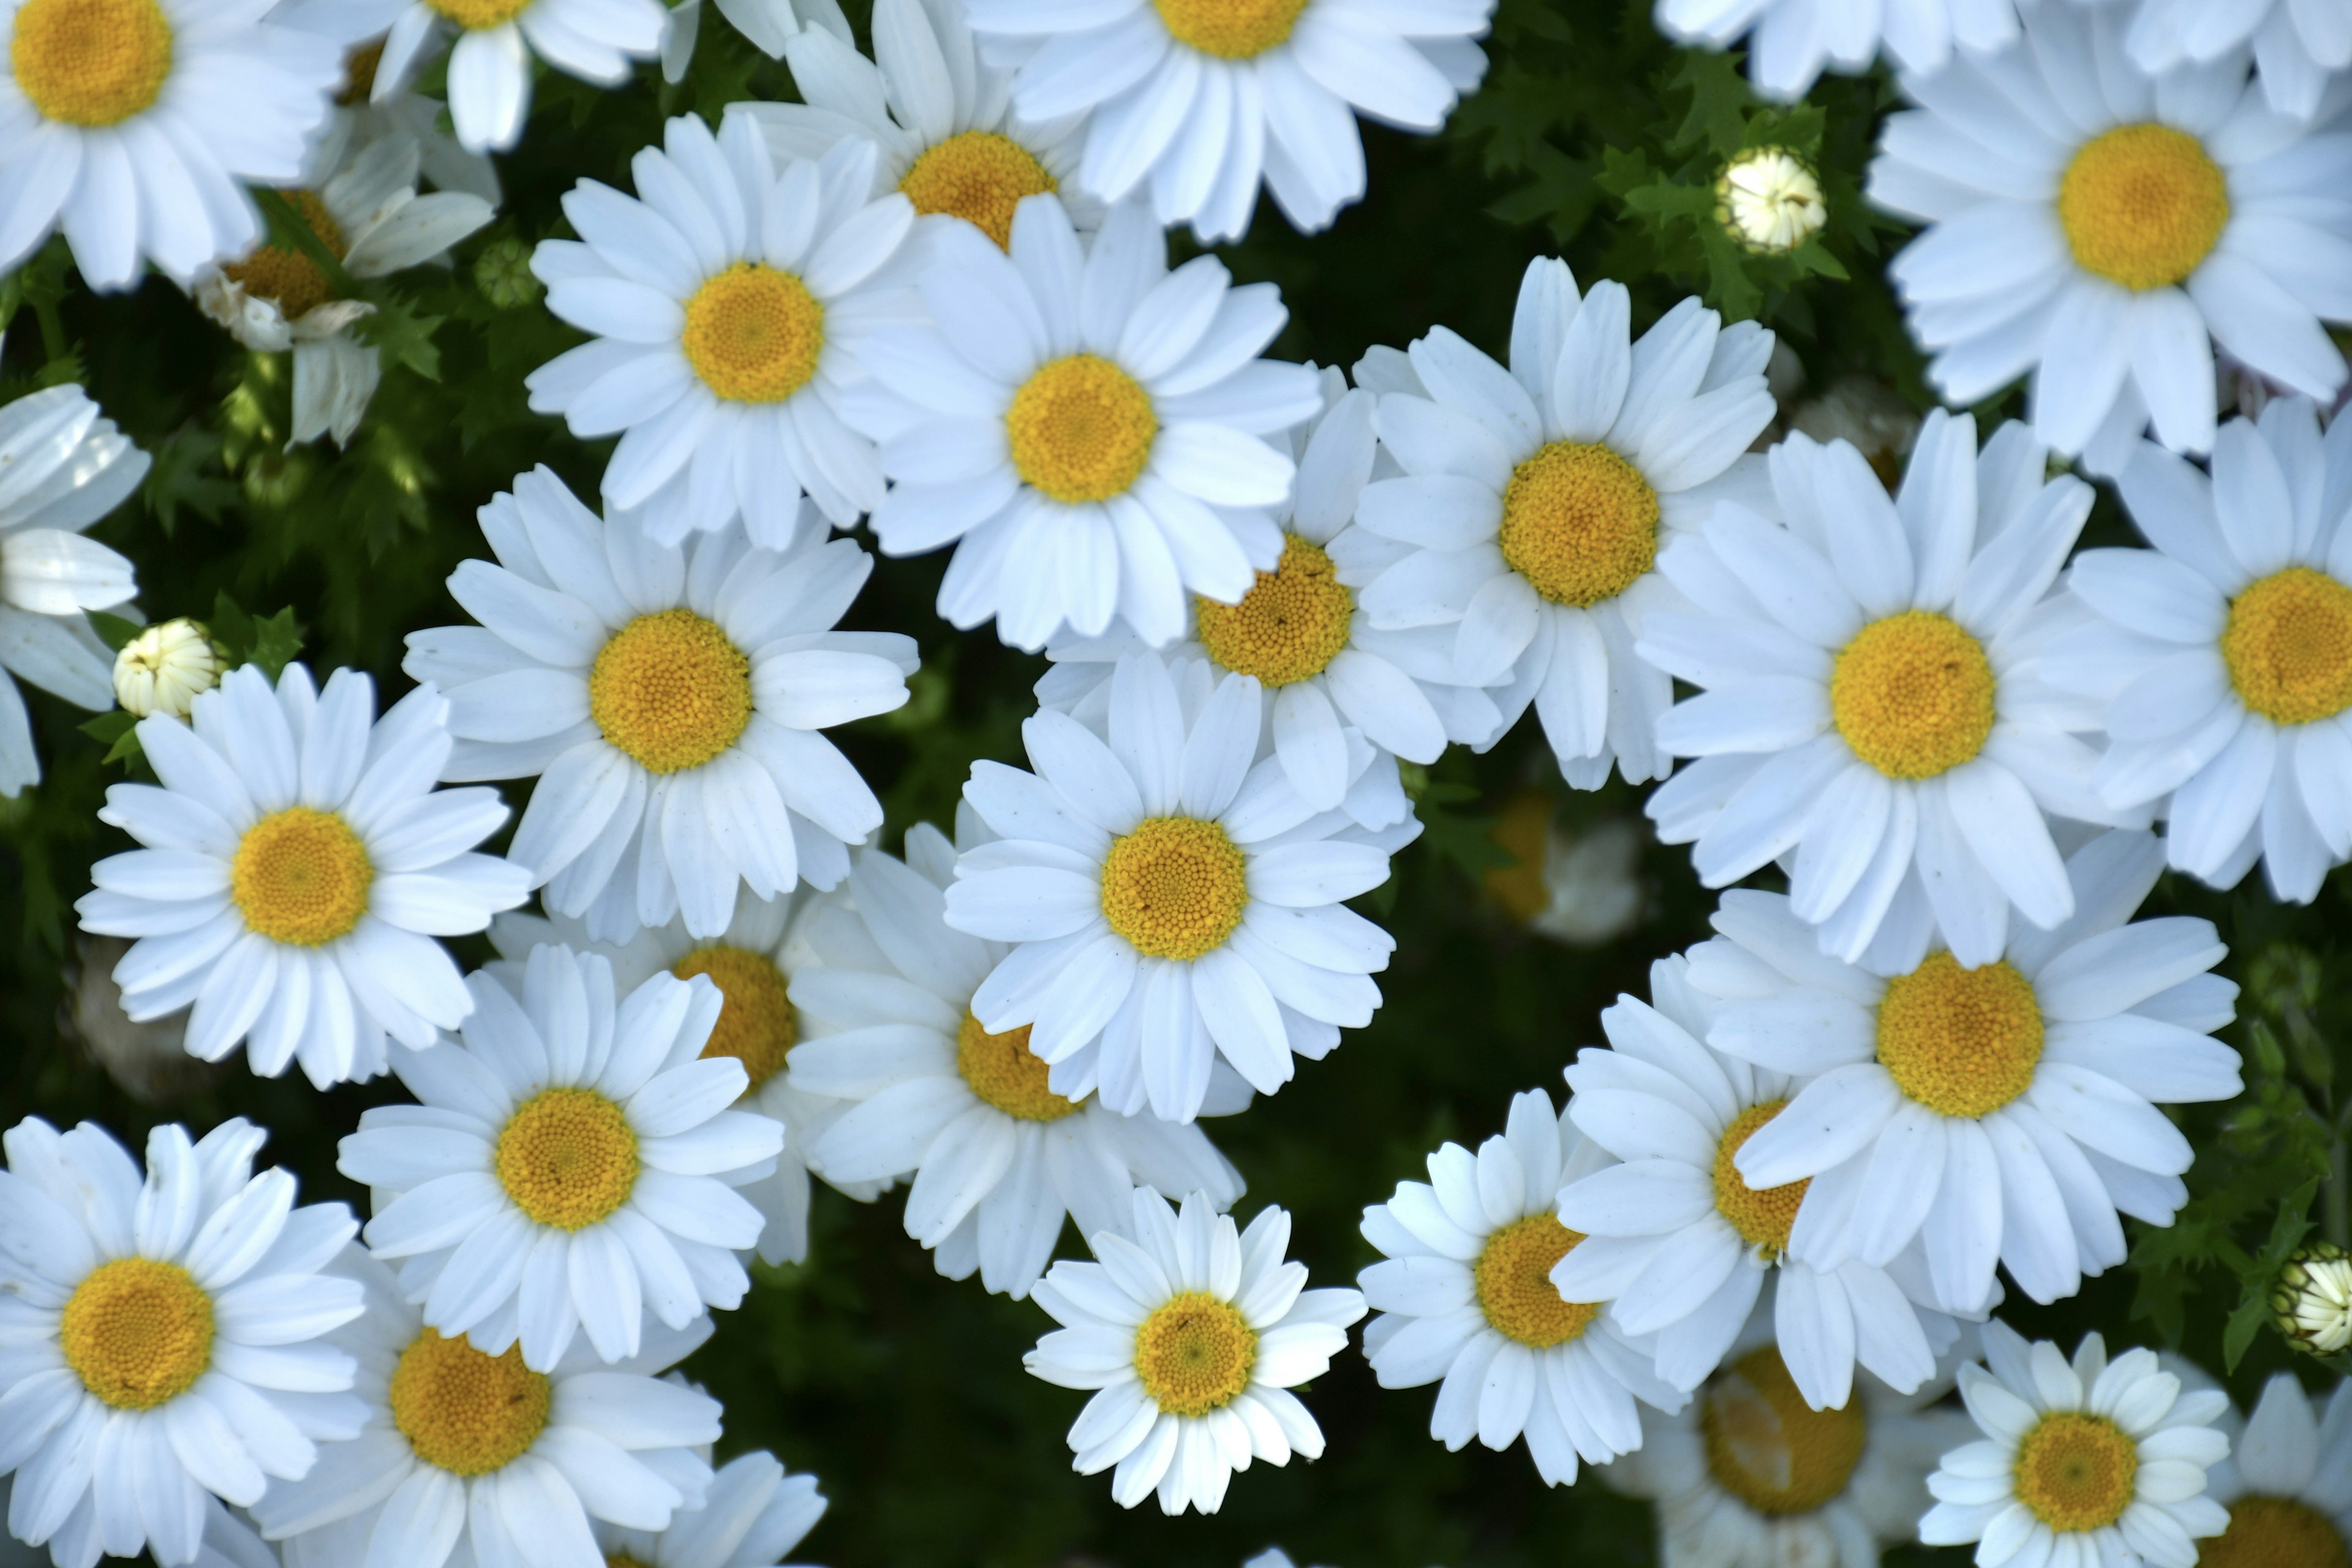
2312,1301
161,669
1769,200
502,272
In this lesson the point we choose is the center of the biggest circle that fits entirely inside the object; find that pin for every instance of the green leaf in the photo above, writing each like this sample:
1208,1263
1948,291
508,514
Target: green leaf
403,337
113,630
178,477
120,731
2246,1320
277,642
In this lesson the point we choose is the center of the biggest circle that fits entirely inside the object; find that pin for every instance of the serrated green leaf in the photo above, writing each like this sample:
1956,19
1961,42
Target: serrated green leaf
113,630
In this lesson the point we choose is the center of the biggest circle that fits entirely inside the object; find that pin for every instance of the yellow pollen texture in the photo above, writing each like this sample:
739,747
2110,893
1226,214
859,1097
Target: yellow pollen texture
1513,1276
1291,623
1175,887
1769,1449
91,62
1579,523
979,177
754,333
568,1157
289,276
1762,1215
1913,695
2143,205
1080,429
1964,1042
301,877
622,1559
1003,1070
755,1015
670,690
2275,1532
466,1412
1194,1353
1230,29
137,1332
2075,1471
2288,646
475,15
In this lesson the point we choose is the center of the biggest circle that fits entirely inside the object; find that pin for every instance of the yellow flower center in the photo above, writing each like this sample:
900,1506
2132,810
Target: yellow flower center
2143,205
1767,1447
670,690
754,333
1081,429
1003,1070
1194,1353
466,1412
1762,1215
2275,1532
1964,1042
91,62
1513,1276
755,1014
2075,1471
623,1559
1522,830
1230,29
1291,623
137,1332
1175,887
2288,646
289,276
477,14
979,177
1913,695
1579,522
359,72
568,1157
301,877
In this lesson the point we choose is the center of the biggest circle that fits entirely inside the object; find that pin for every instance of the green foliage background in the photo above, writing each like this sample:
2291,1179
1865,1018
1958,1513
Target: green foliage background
903,1390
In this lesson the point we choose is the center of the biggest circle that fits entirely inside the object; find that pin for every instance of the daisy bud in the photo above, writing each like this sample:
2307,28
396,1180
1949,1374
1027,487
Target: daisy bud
163,668
1769,200
2312,1301
502,272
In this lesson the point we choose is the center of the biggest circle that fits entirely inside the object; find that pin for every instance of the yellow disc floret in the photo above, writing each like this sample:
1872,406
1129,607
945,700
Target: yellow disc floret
1767,1447
1579,523
567,1157
1194,1353
2143,205
476,16
2288,646
670,690
1175,887
1913,695
1964,1042
2075,1471
1291,623
979,177
137,1332
1230,29
1081,429
754,333
1003,1070
466,1412
2275,1532
1513,1276
91,62
301,877
755,1016
286,276
1762,1215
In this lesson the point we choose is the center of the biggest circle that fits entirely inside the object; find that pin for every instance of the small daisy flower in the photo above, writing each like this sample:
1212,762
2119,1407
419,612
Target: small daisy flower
1869,710
1086,427
2311,1299
757,1513
572,1165
1465,1294
1535,500
2082,1462
168,1336
2005,1112
2100,230
1166,898
1192,1334
2296,43
2287,1483
1790,42
668,697
164,668
298,864
729,300
1769,200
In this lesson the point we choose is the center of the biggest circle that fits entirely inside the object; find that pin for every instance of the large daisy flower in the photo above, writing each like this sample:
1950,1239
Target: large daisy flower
1192,1334
1535,500
1870,711
2082,1462
572,1165
2102,229
1165,900
1465,1295
1085,426
669,698
2296,43
2287,1482
2004,1113
756,1513
1790,41
166,1336
67,467
298,864
729,301
2223,657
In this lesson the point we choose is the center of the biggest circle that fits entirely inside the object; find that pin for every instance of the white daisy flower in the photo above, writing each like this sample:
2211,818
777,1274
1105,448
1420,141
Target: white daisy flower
668,697
163,668
1165,901
729,300
1678,1245
298,864
572,1165
1465,1294
2222,658
757,1513
1200,100
2296,43
1192,1334
2101,230
2081,1463
167,1336
1790,42
1869,712
2003,1113
2287,1483
1535,500
467,1458
67,467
